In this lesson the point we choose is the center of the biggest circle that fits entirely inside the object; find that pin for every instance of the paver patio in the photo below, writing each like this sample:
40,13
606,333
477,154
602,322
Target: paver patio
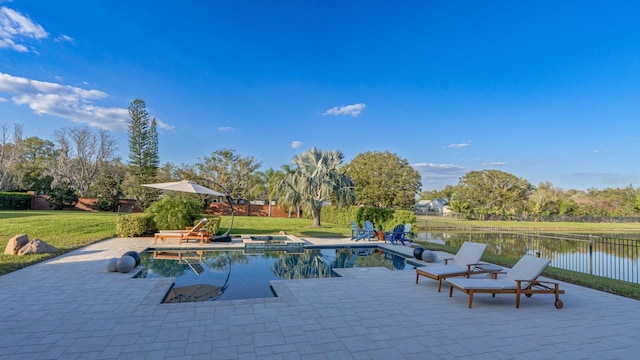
70,307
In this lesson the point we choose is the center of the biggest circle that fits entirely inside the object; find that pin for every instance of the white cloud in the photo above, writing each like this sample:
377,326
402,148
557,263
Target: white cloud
63,38
353,110
163,125
458,146
431,171
494,163
296,144
3,99
225,128
14,26
64,101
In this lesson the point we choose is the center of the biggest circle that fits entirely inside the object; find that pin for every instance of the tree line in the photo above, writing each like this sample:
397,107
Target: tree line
485,193
81,162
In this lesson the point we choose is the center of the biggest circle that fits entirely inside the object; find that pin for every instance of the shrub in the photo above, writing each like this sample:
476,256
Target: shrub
213,225
15,201
133,225
175,211
62,196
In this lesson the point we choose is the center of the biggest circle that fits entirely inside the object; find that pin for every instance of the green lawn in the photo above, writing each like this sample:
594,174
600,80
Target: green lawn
66,230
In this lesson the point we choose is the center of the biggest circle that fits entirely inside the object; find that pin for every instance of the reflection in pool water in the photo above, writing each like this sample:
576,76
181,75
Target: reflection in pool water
235,274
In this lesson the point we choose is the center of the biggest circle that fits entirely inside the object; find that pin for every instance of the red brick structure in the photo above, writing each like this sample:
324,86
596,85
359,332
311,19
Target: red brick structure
39,202
247,209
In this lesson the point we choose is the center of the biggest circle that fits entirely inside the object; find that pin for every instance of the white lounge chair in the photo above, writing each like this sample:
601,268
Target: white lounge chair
462,264
521,279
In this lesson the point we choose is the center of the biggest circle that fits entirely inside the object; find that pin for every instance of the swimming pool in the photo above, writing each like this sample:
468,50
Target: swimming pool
237,274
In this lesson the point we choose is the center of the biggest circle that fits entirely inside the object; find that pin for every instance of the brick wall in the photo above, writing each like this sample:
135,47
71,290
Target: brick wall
39,202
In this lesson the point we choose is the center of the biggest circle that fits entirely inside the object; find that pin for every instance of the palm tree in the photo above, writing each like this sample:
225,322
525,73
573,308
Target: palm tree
267,184
315,179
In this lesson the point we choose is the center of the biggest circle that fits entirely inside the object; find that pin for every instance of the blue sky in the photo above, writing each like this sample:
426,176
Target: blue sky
545,90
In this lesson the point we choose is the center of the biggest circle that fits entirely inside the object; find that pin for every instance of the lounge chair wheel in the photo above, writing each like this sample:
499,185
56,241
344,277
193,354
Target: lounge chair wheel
558,304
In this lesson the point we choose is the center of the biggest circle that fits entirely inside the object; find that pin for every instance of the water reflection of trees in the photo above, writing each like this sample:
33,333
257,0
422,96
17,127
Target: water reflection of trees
309,264
313,264
176,263
164,267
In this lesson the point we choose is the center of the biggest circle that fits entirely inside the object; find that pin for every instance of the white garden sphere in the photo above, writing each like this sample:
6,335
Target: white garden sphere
112,265
126,264
429,256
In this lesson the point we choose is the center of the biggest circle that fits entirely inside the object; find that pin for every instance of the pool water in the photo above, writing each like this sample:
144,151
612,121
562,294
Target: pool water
235,274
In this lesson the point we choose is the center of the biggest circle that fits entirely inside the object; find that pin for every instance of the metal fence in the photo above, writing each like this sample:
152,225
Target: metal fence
610,256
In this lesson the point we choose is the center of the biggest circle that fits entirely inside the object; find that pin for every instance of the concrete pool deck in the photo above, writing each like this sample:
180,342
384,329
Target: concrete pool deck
70,307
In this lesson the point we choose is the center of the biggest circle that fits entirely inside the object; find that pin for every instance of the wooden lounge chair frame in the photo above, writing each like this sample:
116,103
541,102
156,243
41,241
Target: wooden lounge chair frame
528,287
464,263
191,233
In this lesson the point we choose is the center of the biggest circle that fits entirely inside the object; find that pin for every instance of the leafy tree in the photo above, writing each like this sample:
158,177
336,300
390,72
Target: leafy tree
384,180
487,192
143,153
543,200
316,179
81,154
34,171
107,187
227,171
435,194
62,196
11,150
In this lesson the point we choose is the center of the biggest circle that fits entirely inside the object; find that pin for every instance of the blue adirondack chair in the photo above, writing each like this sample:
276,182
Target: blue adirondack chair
369,230
397,235
356,232
407,232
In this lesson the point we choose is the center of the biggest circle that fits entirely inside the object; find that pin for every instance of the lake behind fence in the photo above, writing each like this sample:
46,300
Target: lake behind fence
615,256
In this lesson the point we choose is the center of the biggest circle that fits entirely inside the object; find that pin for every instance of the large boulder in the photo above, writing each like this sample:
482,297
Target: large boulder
15,244
37,246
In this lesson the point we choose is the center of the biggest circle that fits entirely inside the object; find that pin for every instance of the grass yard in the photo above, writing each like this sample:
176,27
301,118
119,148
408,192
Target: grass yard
66,230
253,225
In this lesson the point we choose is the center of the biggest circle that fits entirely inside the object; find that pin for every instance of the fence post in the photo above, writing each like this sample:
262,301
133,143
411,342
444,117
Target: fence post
538,251
590,254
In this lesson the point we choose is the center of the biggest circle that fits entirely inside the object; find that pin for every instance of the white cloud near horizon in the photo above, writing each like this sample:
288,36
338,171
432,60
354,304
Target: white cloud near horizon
432,173
494,163
225,128
458,146
296,144
14,26
67,102
354,110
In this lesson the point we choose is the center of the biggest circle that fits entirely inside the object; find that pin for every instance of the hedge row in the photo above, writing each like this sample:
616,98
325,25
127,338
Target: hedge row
15,201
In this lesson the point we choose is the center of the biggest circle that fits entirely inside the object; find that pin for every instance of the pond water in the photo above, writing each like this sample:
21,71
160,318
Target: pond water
237,274
615,256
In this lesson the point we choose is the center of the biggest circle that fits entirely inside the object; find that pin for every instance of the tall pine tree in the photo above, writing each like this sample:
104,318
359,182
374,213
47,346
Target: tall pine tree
143,151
